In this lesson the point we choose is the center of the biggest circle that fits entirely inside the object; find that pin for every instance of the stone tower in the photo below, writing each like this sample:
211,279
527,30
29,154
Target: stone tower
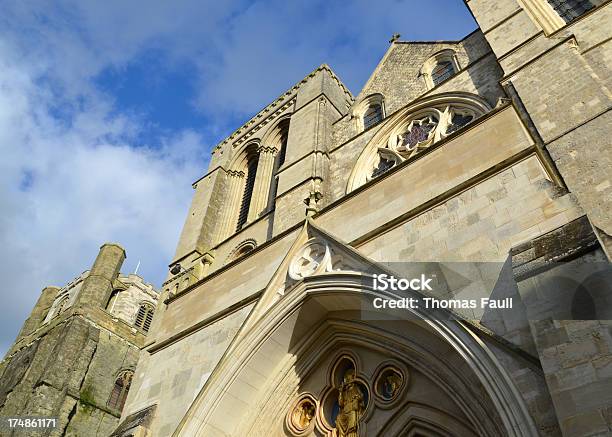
75,355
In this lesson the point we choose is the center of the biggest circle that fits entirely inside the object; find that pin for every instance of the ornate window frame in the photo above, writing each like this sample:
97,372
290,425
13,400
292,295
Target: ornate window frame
360,110
446,55
387,142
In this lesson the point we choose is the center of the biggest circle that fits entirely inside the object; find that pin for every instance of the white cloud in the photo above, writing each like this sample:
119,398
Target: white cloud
69,184
74,171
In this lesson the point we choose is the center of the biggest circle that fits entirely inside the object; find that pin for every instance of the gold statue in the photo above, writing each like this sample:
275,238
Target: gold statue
352,406
303,414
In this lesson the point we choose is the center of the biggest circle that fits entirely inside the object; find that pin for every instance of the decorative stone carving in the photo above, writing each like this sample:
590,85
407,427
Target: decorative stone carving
420,132
413,130
390,381
316,257
352,406
302,415
313,258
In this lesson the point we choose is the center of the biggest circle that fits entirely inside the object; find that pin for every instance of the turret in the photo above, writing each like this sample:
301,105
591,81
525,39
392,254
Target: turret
39,312
98,285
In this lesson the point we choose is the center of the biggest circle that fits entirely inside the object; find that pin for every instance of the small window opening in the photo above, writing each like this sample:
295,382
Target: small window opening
120,390
442,71
373,116
144,317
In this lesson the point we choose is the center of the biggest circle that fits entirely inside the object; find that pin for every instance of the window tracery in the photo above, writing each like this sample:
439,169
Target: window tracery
412,130
349,398
418,133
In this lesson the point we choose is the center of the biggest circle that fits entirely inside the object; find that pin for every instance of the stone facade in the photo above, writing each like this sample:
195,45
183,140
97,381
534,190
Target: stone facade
501,191
487,168
70,350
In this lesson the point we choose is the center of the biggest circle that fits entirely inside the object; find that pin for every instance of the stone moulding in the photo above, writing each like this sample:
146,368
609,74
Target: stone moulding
267,333
393,126
257,119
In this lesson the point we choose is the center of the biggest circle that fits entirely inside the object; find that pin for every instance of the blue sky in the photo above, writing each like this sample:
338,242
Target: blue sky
109,110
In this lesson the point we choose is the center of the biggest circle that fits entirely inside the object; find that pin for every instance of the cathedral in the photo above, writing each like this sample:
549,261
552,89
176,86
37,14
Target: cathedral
429,257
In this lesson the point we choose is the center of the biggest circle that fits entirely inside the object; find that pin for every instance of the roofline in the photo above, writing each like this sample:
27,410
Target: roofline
268,109
442,41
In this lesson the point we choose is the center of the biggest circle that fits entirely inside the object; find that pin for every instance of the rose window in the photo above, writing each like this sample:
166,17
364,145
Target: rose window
419,131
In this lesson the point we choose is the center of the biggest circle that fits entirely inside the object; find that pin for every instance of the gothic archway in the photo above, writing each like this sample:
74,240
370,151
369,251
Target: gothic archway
277,359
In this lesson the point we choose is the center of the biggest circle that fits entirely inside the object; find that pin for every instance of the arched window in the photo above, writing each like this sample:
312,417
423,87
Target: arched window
413,130
144,317
373,116
440,67
119,394
442,71
281,143
243,215
283,127
369,111
242,249
569,10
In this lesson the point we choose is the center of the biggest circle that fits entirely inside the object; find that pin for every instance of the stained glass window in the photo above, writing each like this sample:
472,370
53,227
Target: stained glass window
373,116
382,167
419,132
442,71
458,121
569,10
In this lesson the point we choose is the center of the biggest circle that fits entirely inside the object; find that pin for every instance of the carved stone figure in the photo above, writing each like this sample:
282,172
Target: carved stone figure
352,406
303,414
391,384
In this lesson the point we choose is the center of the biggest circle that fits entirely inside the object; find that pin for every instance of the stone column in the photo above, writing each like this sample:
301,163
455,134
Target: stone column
97,287
47,296
263,178
228,218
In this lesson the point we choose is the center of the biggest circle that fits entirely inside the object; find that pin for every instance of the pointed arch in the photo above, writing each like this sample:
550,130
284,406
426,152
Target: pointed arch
439,67
120,390
369,112
413,129
239,183
281,344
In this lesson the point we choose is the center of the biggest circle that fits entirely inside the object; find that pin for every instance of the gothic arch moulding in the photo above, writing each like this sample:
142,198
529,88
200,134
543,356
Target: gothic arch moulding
273,137
375,103
242,249
414,129
316,342
446,57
